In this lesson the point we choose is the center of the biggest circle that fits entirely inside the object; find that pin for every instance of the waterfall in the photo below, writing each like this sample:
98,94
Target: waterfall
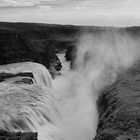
65,108
29,107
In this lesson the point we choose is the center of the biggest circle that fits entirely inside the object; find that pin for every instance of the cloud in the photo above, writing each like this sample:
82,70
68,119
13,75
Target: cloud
89,12
26,3
18,3
29,3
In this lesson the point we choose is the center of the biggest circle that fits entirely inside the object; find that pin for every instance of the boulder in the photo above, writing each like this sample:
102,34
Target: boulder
4,135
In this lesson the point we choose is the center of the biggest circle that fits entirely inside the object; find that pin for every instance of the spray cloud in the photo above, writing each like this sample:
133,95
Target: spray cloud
100,57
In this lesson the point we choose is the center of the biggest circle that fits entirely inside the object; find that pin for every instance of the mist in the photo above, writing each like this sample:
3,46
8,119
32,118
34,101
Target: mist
100,58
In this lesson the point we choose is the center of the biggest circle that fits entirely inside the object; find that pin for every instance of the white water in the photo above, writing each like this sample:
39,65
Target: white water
67,109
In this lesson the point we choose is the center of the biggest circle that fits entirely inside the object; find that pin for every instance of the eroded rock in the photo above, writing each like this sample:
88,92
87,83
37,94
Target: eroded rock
4,135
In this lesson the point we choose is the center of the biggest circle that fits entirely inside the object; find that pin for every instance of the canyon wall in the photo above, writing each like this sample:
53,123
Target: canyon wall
119,108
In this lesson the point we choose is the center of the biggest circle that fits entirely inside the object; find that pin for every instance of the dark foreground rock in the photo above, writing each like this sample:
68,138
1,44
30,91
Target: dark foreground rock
4,135
119,108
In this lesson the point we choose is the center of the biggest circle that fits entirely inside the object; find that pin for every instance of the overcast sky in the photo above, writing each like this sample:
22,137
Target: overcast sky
83,12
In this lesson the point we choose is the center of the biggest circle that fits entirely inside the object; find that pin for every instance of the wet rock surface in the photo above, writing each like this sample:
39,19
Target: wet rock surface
4,135
119,108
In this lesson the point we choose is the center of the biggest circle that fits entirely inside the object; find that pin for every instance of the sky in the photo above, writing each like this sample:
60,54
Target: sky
77,12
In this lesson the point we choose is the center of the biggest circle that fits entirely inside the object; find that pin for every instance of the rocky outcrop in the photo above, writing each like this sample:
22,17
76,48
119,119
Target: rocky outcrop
119,108
26,77
4,135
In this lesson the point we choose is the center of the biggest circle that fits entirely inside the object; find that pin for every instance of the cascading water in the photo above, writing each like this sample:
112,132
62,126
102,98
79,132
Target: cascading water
67,109
29,108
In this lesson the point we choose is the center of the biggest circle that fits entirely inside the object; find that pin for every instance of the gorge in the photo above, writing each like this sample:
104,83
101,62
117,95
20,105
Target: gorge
98,99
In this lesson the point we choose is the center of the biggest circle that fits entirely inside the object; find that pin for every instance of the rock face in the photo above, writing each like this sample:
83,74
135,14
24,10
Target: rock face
119,108
17,136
